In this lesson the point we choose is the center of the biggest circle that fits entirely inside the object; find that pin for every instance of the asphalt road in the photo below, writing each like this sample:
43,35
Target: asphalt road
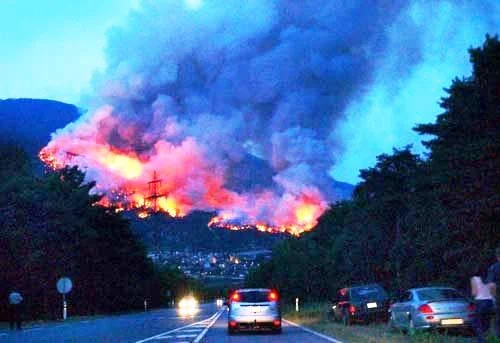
121,328
218,334
165,325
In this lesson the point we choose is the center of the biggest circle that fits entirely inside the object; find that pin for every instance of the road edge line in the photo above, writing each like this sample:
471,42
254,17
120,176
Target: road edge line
175,330
204,332
316,333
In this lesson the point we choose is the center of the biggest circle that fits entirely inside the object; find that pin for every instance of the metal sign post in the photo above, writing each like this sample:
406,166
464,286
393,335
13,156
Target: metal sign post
64,286
65,307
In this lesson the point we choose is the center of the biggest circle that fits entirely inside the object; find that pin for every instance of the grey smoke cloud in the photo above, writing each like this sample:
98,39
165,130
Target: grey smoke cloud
279,79
274,75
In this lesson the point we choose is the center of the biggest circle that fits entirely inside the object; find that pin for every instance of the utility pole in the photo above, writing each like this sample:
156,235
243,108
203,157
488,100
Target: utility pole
153,187
154,194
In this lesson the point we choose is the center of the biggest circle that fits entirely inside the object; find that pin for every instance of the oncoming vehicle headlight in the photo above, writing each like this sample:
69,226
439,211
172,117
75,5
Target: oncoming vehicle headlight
188,305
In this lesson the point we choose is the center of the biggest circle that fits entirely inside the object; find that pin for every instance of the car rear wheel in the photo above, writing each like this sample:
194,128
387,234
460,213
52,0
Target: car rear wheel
230,330
277,331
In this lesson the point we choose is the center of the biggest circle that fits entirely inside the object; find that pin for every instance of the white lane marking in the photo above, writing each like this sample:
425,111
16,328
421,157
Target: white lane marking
206,321
204,332
316,333
193,330
185,336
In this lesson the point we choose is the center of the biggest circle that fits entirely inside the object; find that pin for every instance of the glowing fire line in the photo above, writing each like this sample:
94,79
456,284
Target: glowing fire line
132,194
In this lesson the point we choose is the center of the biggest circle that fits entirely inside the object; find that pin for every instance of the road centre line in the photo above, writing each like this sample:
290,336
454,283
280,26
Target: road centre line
204,332
316,333
208,320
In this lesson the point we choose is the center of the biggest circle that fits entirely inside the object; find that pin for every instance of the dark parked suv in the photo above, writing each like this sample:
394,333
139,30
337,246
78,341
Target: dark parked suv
360,304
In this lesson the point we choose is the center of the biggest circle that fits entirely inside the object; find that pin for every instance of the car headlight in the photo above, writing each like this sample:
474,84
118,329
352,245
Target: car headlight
188,303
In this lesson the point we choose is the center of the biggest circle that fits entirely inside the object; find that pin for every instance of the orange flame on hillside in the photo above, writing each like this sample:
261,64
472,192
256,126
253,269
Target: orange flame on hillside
176,179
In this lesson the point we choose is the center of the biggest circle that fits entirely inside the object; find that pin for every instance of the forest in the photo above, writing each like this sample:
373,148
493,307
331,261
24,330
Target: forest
52,228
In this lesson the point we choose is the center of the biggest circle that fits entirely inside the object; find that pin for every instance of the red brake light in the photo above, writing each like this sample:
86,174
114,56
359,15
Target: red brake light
235,297
471,307
425,309
273,296
352,309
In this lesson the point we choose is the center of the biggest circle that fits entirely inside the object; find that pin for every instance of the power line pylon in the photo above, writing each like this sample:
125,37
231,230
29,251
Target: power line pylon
153,188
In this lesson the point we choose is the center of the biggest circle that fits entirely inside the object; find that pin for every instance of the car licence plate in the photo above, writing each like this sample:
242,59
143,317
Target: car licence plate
452,321
371,305
256,309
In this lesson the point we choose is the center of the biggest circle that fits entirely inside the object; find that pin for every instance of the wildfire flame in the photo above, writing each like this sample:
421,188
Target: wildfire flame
176,179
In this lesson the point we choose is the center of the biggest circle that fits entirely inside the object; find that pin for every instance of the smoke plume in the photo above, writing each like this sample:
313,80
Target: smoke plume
192,88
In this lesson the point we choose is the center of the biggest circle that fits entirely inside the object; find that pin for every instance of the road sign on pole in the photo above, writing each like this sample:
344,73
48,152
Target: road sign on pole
64,286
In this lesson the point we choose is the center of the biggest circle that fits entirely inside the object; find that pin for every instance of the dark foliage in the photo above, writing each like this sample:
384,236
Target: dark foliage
51,227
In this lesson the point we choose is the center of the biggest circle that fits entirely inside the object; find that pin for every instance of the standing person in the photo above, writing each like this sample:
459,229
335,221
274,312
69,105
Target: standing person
494,282
484,305
15,300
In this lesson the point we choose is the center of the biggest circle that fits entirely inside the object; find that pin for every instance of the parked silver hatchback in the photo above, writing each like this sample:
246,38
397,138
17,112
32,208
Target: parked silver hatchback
431,307
253,309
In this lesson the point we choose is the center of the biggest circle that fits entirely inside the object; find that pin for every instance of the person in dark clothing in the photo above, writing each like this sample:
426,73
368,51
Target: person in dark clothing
493,281
15,300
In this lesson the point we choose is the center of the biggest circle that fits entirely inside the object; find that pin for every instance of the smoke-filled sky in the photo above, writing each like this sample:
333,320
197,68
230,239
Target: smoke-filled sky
314,87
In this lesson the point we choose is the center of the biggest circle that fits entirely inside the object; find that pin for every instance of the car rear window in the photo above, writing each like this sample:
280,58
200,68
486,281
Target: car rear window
254,296
368,292
438,294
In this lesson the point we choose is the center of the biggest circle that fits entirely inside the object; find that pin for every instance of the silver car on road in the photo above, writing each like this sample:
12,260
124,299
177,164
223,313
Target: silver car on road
431,307
254,308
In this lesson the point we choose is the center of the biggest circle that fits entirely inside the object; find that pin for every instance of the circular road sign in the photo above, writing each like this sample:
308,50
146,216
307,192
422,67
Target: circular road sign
64,285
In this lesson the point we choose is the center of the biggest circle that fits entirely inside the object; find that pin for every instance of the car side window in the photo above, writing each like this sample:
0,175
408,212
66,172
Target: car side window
408,296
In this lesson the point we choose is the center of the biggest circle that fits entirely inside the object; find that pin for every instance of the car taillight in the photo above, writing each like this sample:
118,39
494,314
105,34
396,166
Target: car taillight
425,309
471,307
352,309
235,297
273,296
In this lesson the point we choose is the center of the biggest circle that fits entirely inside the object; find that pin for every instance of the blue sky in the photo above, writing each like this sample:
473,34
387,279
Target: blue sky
50,48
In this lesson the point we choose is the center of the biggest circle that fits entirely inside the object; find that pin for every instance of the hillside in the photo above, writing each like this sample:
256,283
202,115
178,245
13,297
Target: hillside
192,233
29,122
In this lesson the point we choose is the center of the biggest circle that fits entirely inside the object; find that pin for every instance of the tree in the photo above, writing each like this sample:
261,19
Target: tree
464,159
